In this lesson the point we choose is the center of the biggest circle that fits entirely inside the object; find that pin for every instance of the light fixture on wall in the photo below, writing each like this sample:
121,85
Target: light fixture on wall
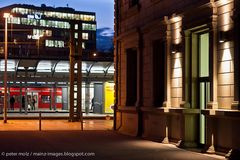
175,48
223,36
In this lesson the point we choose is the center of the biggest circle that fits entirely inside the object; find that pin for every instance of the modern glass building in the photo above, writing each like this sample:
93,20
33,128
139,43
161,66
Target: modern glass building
39,43
45,31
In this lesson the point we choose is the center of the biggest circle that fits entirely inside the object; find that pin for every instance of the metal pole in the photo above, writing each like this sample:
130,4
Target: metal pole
38,44
40,121
5,74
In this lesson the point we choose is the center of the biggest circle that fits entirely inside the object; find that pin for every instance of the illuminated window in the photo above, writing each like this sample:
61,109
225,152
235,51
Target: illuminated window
58,99
85,36
75,35
54,43
86,26
39,13
46,99
42,32
14,20
48,33
32,12
76,26
83,45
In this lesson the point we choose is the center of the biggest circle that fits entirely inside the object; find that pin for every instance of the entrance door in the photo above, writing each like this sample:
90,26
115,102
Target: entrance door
204,97
203,80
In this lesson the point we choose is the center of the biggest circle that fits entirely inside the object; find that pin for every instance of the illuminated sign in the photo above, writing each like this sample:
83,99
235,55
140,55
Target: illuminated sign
109,97
35,16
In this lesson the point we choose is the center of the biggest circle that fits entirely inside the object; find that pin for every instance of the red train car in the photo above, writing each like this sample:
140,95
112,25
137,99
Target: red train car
44,97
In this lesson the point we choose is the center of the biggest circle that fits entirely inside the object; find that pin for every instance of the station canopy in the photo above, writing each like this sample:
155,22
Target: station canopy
26,70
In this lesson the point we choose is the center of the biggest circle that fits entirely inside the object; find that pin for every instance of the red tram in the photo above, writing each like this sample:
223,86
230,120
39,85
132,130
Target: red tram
44,97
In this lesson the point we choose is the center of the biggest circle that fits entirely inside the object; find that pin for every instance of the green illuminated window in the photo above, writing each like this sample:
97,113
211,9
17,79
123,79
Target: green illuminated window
204,55
54,43
76,16
86,26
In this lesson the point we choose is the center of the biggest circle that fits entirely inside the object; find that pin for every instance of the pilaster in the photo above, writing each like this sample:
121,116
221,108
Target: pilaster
167,90
213,104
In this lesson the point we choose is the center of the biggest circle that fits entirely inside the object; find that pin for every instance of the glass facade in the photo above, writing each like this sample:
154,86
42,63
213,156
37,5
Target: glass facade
39,22
61,15
42,32
54,43
86,26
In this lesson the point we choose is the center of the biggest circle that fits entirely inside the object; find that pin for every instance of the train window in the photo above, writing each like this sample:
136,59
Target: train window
58,99
46,99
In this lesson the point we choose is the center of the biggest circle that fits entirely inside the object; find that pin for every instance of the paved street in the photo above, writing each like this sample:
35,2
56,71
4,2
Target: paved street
96,142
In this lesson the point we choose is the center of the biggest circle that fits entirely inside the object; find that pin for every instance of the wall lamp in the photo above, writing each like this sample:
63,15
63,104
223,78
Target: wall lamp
175,48
223,36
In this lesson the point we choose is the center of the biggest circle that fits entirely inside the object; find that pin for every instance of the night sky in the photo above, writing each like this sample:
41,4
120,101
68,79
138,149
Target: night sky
104,8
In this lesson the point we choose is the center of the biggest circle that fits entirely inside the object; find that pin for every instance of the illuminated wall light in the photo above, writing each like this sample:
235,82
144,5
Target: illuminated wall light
223,36
175,48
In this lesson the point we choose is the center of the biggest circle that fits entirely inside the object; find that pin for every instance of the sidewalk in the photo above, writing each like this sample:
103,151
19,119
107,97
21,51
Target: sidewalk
88,145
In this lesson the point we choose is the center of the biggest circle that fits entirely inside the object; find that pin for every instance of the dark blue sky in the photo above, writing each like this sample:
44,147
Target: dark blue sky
103,8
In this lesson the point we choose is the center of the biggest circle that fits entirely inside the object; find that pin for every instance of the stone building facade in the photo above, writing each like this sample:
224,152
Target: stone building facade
177,71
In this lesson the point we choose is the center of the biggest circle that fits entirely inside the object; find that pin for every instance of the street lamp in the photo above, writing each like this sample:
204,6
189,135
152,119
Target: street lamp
6,16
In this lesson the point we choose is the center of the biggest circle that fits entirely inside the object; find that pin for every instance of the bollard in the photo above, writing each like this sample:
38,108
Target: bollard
40,121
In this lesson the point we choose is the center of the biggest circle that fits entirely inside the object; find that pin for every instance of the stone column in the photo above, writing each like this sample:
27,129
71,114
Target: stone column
186,91
213,104
167,89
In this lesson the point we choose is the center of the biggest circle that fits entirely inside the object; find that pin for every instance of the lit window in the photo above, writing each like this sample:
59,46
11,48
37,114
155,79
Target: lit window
75,35
83,45
39,13
76,26
54,43
48,33
86,26
85,36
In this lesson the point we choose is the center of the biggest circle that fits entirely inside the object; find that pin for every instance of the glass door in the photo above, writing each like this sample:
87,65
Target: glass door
203,100
203,79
